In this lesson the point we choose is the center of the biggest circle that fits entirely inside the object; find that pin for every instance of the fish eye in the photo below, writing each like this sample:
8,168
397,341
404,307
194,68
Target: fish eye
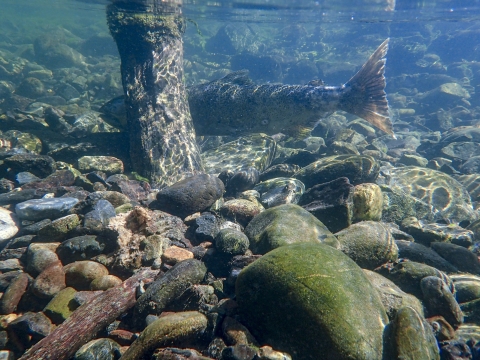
264,122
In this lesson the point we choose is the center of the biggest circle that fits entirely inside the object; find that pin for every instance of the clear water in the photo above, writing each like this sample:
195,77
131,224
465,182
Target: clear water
432,42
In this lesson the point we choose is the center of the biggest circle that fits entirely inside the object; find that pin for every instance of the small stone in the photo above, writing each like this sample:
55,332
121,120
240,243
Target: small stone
38,209
413,160
235,333
231,242
40,256
190,195
240,210
171,329
105,282
267,353
367,202
10,265
13,294
439,300
58,229
460,257
8,226
98,218
99,349
413,337
50,281
39,165
238,352
31,327
80,248
369,243
80,274
59,308
108,164
175,254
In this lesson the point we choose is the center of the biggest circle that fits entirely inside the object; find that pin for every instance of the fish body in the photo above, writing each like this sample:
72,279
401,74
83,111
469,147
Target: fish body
234,105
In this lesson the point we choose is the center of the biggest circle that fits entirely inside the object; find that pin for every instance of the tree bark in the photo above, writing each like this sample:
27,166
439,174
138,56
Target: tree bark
148,34
87,321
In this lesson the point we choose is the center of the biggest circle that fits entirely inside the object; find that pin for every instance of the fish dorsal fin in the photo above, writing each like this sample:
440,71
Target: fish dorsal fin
237,77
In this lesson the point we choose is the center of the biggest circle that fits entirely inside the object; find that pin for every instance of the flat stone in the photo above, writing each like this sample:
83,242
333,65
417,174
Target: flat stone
38,209
175,254
8,226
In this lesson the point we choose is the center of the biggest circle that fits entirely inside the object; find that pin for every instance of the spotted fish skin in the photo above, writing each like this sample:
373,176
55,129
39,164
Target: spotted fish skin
235,106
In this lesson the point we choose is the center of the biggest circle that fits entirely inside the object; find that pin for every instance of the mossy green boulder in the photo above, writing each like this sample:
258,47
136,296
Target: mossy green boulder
286,224
314,302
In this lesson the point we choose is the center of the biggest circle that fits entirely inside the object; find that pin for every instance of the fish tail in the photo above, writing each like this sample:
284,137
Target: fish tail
364,94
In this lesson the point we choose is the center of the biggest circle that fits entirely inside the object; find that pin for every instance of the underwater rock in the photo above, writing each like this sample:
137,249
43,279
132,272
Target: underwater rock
13,293
407,275
420,253
98,218
279,171
233,38
241,211
38,209
79,248
40,256
283,225
108,164
439,300
189,195
231,242
256,150
368,243
60,307
460,257
168,287
241,180
357,168
278,191
172,329
31,87
39,165
425,233
367,202
51,51
467,287
50,281
59,229
80,274
435,188
331,203
99,349
343,319
8,226
393,298
413,337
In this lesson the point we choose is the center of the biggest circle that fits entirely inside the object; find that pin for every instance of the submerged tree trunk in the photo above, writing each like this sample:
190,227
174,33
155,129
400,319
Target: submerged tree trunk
148,34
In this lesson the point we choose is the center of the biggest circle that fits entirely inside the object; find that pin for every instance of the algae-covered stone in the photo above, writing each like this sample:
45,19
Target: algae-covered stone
172,329
98,349
393,298
280,191
107,164
231,242
408,274
58,229
61,306
369,243
283,225
467,287
436,189
413,337
318,289
168,287
256,150
367,202
357,168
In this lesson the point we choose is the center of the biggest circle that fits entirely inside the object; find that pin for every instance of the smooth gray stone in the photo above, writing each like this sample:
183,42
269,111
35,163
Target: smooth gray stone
38,209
